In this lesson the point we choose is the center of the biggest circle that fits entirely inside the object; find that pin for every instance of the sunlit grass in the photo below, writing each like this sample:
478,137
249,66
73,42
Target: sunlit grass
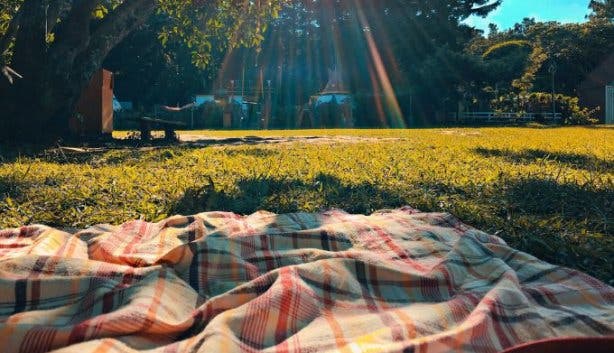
547,191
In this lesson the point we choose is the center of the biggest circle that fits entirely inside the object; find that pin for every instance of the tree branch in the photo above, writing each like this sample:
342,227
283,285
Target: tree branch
29,52
10,74
121,21
114,28
58,9
11,31
73,34
5,43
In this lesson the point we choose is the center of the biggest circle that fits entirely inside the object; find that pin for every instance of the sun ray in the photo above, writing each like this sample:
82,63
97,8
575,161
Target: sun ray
391,103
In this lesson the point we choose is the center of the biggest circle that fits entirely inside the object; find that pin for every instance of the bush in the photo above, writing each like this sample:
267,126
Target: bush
541,102
505,48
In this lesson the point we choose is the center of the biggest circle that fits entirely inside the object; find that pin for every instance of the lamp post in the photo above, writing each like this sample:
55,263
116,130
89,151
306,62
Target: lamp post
552,71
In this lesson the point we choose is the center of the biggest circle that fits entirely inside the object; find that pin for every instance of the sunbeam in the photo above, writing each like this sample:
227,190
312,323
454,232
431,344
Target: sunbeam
392,104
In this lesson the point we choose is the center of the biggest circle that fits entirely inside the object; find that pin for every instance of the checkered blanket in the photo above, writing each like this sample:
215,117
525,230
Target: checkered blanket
395,281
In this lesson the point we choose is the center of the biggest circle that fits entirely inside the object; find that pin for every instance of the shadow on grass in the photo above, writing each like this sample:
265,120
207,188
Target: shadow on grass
119,151
126,156
110,157
528,196
10,153
528,156
288,195
572,201
567,224
251,152
11,187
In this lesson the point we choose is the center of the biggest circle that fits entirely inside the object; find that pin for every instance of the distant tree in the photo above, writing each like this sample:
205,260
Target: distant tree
576,49
167,71
430,49
411,40
503,62
493,29
603,9
422,44
520,29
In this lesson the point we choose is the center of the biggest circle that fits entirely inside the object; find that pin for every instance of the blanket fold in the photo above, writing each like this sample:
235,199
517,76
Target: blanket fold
395,281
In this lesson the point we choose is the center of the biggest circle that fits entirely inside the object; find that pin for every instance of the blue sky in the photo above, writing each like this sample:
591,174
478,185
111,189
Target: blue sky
513,11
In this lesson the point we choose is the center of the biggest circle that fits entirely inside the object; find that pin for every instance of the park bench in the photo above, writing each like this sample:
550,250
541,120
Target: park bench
147,124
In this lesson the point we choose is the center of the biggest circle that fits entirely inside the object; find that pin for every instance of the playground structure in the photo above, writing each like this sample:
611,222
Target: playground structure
237,106
246,106
249,105
332,107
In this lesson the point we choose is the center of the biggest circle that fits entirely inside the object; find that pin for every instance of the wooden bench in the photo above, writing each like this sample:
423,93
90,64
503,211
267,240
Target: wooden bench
147,124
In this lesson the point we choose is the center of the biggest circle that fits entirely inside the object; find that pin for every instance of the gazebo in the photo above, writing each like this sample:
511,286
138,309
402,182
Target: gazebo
332,107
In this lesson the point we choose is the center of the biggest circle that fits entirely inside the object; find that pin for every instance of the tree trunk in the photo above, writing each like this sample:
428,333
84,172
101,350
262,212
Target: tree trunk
37,108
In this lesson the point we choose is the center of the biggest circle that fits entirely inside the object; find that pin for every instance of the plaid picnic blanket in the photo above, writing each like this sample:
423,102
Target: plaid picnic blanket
395,281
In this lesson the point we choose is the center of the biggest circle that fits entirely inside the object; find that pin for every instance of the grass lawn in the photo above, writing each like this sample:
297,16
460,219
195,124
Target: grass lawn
549,192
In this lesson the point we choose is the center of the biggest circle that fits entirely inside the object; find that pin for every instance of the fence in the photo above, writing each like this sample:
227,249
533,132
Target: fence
504,118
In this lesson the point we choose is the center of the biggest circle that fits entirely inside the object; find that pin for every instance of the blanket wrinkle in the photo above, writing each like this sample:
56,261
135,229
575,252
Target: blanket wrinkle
394,281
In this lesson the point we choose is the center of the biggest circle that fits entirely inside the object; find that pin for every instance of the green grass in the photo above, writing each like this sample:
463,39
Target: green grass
546,191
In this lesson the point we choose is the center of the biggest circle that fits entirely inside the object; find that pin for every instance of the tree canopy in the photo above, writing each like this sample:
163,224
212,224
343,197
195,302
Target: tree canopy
379,45
602,9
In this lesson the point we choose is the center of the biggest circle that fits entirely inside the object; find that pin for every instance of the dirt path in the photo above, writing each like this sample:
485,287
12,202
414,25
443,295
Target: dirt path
70,154
200,140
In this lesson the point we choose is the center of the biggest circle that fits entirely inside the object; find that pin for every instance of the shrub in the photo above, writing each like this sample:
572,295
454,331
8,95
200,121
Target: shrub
504,48
541,102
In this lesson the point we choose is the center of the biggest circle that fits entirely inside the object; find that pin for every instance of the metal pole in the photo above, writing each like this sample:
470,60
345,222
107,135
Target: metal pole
46,21
243,81
552,70
553,102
